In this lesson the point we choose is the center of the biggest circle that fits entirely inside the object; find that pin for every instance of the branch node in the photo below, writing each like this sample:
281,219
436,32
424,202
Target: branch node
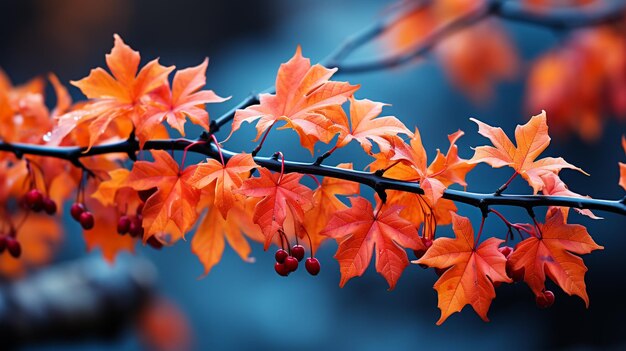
133,145
382,194
484,208
531,212
205,136
213,128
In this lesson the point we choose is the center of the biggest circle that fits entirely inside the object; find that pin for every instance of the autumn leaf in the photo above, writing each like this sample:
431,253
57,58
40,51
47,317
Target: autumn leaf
365,125
410,162
554,186
40,237
531,139
471,271
107,189
163,326
359,231
173,205
226,179
553,252
184,100
581,81
302,93
118,94
208,241
325,205
279,194
104,234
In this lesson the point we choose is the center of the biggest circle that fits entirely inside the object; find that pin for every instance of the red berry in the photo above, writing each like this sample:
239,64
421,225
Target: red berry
34,200
280,256
86,220
506,251
312,265
291,263
545,300
427,242
281,269
123,225
154,242
14,247
516,275
76,210
3,243
297,251
135,228
49,206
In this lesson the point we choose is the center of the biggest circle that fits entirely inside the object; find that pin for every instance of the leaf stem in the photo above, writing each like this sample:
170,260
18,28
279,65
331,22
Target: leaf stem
502,188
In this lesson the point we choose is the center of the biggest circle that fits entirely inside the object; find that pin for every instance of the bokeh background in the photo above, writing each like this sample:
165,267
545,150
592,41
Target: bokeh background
247,306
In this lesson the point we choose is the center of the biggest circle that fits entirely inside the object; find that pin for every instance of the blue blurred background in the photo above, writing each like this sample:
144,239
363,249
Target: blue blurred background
247,306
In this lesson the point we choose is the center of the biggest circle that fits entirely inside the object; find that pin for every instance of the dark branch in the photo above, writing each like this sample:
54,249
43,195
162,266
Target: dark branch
373,180
562,18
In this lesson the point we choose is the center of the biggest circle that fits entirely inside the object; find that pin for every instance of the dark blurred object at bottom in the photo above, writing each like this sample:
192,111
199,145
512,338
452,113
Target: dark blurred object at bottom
84,299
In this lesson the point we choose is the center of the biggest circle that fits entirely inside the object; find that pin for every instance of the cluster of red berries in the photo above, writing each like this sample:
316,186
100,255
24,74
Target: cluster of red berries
287,262
545,299
131,225
10,243
82,215
37,202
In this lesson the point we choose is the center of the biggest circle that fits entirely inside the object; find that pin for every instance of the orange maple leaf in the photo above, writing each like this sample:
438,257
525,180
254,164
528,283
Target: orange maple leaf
552,251
532,139
208,241
579,80
471,271
172,208
184,99
325,205
553,185
302,93
40,237
226,179
104,235
279,194
365,125
434,179
358,230
118,95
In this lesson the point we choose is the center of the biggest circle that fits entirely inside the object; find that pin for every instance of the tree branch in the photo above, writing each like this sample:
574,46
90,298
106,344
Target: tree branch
379,183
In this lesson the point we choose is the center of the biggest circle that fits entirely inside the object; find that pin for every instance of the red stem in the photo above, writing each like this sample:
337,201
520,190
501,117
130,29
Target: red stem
480,231
219,149
258,148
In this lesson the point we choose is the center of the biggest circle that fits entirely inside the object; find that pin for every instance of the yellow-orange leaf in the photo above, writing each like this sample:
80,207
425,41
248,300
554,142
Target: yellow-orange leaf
302,93
174,201
226,179
325,205
531,139
208,241
365,125
471,271
553,252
